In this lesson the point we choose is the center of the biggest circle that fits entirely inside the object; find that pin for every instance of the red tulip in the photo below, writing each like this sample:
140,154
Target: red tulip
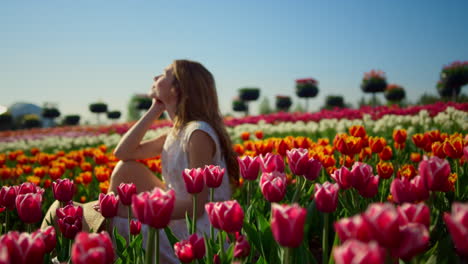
213,176
465,153
377,144
436,172
126,191
287,224
409,191
92,248
69,219
28,187
356,252
414,240
193,179
184,251
198,245
313,169
272,162
386,153
154,208
385,169
383,221
23,248
48,236
354,227
326,197
399,136
63,190
216,259
135,227
297,160
414,213
342,176
242,247
28,207
227,215
457,224
108,204
453,147
249,167
8,196
273,186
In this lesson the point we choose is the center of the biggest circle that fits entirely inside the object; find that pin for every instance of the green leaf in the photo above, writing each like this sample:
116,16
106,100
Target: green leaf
253,236
170,236
209,249
120,242
188,220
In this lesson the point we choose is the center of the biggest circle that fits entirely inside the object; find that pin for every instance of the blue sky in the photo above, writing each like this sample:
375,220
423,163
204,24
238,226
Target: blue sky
73,53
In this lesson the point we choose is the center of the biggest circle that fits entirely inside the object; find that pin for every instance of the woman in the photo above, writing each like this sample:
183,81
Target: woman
186,90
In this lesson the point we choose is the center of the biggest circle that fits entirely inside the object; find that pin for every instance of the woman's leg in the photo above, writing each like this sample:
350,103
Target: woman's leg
133,172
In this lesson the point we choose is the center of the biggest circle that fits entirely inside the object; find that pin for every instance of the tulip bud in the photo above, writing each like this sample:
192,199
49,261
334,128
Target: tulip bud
63,190
92,248
69,219
286,220
326,197
198,246
342,176
213,176
414,213
354,227
28,207
135,227
383,221
193,179
414,240
108,204
154,208
48,236
8,196
273,186
184,251
249,167
457,225
227,216
242,247
313,169
272,162
435,172
354,251
297,160
126,191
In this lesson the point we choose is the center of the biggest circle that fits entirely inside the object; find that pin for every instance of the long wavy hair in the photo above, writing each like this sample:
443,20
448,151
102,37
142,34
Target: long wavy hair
198,100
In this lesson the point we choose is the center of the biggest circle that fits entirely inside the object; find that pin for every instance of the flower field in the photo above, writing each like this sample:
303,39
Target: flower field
373,185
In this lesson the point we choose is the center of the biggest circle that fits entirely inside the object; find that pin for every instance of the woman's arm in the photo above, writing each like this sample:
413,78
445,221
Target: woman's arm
201,150
130,148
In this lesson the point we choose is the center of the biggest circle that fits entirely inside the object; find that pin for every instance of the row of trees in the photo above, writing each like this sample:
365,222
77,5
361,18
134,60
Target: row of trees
452,78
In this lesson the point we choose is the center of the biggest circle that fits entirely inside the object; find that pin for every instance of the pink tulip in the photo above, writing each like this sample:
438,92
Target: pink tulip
370,188
4,255
272,162
326,197
414,240
414,213
135,227
69,219
28,207
184,251
213,176
193,179
23,248
435,172
108,204
383,221
360,175
92,248
465,152
297,160
242,247
154,208
63,190
356,252
457,224
8,196
405,190
48,236
216,259
313,169
28,187
249,167
126,191
287,224
198,246
273,186
342,176
354,227
227,215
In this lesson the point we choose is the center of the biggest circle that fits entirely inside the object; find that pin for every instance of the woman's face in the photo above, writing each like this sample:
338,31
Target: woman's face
163,88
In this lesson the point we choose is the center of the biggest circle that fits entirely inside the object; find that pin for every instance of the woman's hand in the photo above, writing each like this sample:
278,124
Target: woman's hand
157,105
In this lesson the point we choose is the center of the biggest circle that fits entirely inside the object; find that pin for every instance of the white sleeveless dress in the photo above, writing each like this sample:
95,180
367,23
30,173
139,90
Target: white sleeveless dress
174,161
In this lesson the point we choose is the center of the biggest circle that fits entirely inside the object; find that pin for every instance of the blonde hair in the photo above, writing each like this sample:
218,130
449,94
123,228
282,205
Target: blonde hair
198,100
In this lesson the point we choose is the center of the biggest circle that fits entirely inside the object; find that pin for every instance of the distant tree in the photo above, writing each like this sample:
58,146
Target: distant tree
114,115
71,120
374,82
30,121
332,101
239,106
264,107
394,93
452,78
98,108
307,88
248,94
50,113
6,121
283,103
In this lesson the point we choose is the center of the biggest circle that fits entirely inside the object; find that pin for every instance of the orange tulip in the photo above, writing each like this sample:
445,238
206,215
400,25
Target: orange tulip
453,147
104,186
357,131
56,173
34,151
27,169
323,141
407,171
102,173
86,166
366,153
421,140
245,136
2,159
377,144
239,149
385,169
399,136
5,173
87,177
438,150
259,134
399,146
22,159
39,172
434,136
415,157
386,153
33,179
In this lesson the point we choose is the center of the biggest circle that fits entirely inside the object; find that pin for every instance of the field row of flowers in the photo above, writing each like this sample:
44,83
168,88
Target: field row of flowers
344,191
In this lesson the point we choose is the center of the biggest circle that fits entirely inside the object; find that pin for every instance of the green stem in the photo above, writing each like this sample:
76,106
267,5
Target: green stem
298,186
194,219
325,238
69,248
129,220
157,246
248,192
29,227
7,220
211,200
457,185
221,245
287,255
150,246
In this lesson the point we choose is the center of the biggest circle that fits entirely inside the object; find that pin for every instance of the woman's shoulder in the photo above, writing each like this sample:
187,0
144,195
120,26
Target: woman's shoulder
192,126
